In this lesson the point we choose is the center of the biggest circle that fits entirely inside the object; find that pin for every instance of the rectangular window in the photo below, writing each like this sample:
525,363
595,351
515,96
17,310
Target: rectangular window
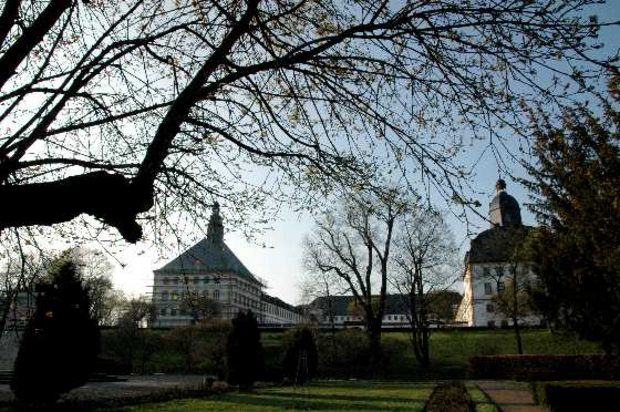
490,308
500,287
162,312
164,296
488,288
173,312
491,324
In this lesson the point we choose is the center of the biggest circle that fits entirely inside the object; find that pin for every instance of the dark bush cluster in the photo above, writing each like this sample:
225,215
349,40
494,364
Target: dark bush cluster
577,395
545,367
450,397
344,354
199,348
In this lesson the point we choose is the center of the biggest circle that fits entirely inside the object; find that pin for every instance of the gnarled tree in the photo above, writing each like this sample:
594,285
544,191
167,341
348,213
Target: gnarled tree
143,108
423,268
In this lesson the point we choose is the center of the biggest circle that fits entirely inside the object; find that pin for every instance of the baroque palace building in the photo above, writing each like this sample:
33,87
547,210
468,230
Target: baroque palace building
492,262
211,269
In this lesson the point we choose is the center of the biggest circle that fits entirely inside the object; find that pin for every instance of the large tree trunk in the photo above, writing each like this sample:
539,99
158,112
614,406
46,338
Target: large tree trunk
374,346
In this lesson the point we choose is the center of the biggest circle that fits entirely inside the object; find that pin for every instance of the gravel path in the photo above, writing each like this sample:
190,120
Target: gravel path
510,396
132,387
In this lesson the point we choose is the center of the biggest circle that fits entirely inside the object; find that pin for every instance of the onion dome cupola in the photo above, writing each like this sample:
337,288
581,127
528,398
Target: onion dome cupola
215,230
504,209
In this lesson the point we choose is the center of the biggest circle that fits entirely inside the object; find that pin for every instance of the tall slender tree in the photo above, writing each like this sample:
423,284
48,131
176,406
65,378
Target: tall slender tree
423,266
353,246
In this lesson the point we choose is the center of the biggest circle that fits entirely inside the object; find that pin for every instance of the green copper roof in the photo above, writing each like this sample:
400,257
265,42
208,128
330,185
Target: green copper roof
209,256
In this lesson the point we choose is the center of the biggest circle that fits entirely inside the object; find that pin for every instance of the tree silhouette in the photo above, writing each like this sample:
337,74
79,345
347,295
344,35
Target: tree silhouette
61,341
576,252
135,111
244,352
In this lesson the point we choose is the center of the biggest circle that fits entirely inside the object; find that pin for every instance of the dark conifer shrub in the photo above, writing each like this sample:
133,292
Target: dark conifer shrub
61,341
244,352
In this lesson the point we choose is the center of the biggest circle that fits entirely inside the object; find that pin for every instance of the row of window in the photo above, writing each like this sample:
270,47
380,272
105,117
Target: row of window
189,281
500,271
174,296
182,280
399,318
245,301
280,312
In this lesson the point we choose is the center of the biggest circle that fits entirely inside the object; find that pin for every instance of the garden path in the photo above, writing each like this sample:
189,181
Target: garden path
510,396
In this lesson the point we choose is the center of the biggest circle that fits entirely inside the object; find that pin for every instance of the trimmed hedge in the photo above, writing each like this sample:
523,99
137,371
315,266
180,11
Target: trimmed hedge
450,397
545,367
577,395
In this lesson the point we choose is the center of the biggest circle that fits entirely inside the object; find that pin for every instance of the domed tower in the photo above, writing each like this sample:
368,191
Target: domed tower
504,209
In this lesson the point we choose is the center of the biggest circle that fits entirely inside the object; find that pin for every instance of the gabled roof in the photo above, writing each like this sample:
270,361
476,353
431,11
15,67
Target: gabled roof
209,256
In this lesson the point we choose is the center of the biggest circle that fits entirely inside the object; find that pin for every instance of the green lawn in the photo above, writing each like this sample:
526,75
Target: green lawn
456,347
324,396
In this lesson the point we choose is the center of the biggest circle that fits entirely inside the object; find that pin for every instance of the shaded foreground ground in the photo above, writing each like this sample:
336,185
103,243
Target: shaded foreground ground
323,396
320,396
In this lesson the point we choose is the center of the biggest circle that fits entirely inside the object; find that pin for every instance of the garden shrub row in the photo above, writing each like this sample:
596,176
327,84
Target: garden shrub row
577,395
545,367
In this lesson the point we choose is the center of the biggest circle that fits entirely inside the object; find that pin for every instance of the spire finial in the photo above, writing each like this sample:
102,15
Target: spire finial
215,231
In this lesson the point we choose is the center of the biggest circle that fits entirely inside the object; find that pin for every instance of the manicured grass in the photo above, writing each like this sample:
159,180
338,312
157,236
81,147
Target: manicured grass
456,347
324,396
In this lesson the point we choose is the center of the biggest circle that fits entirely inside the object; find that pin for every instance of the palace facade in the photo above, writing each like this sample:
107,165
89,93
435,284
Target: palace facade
210,269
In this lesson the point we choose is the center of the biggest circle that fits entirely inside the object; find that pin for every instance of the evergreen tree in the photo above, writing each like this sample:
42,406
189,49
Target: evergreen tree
244,352
61,341
576,252
301,359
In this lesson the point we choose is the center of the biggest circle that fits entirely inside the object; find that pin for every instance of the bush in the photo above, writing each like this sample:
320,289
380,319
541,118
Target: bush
577,396
344,354
244,352
131,346
301,359
450,397
545,367
210,350
61,341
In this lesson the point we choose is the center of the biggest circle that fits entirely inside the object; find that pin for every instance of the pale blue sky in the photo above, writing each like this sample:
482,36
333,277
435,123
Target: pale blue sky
280,263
